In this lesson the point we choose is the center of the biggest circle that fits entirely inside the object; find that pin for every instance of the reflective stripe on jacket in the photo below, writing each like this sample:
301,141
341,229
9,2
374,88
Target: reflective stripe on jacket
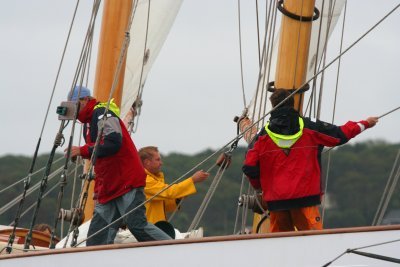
285,141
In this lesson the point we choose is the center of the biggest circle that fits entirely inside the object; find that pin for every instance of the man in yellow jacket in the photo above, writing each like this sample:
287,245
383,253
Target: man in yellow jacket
166,201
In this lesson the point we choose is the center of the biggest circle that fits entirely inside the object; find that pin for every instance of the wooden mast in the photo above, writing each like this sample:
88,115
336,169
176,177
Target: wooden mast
291,68
292,62
116,14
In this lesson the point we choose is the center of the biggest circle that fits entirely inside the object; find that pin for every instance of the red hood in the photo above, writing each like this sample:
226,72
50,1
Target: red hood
85,114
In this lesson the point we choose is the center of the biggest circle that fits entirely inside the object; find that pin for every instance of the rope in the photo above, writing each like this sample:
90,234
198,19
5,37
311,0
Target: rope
388,192
364,254
335,98
387,113
59,67
271,28
270,24
209,195
75,172
241,55
43,185
63,179
44,195
314,81
22,179
238,207
140,89
10,204
258,34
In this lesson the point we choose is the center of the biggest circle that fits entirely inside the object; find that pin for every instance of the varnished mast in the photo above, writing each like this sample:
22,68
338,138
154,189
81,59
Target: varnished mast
116,16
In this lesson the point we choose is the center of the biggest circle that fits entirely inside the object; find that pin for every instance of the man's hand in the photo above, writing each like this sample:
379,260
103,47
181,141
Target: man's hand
200,176
372,121
75,151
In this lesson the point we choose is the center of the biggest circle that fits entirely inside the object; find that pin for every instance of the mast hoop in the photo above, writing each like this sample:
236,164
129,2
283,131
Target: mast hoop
295,16
271,88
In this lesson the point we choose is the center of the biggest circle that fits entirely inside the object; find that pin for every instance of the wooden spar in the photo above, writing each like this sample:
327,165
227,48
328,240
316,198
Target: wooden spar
293,53
291,70
116,16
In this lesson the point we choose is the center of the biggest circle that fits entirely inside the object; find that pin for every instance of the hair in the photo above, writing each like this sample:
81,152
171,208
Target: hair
42,227
279,95
147,152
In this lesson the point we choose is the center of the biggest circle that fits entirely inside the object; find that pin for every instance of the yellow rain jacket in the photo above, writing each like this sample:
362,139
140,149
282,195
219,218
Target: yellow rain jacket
165,202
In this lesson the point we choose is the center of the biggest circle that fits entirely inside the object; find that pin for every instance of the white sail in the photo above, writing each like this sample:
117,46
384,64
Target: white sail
159,18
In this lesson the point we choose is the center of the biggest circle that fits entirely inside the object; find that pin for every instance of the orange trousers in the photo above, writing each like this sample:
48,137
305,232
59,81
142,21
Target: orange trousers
307,218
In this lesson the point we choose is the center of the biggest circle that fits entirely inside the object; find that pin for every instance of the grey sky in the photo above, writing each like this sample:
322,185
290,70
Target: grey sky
194,89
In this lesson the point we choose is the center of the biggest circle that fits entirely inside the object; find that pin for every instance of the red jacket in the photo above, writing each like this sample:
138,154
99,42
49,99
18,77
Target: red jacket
118,168
291,178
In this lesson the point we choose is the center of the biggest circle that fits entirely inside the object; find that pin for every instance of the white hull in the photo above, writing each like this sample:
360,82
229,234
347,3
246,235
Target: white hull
311,248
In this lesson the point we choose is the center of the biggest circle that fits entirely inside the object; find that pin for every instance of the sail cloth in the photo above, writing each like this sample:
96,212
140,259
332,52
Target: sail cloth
159,20
259,104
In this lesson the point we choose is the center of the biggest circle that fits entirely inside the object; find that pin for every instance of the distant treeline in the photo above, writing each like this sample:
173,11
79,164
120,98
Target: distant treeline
356,180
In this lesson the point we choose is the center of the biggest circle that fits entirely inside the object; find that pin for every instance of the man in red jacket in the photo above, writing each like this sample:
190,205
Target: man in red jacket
284,161
119,174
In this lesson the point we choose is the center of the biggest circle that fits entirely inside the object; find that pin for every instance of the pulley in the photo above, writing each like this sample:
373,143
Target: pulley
253,202
75,216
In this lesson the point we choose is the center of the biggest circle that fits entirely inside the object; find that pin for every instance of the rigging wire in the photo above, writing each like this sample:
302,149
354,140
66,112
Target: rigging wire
388,191
44,195
335,97
31,190
258,33
270,22
387,113
238,207
27,181
264,65
329,23
314,81
272,30
138,99
270,27
57,142
22,179
75,172
241,56
354,250
210,192
83,66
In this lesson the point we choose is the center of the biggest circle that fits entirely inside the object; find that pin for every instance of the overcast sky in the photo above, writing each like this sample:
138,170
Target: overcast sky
194,89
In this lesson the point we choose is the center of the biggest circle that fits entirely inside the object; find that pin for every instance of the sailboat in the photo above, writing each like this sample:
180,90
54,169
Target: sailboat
362,246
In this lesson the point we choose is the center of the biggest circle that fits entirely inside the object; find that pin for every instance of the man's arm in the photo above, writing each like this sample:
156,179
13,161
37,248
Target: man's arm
251,166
